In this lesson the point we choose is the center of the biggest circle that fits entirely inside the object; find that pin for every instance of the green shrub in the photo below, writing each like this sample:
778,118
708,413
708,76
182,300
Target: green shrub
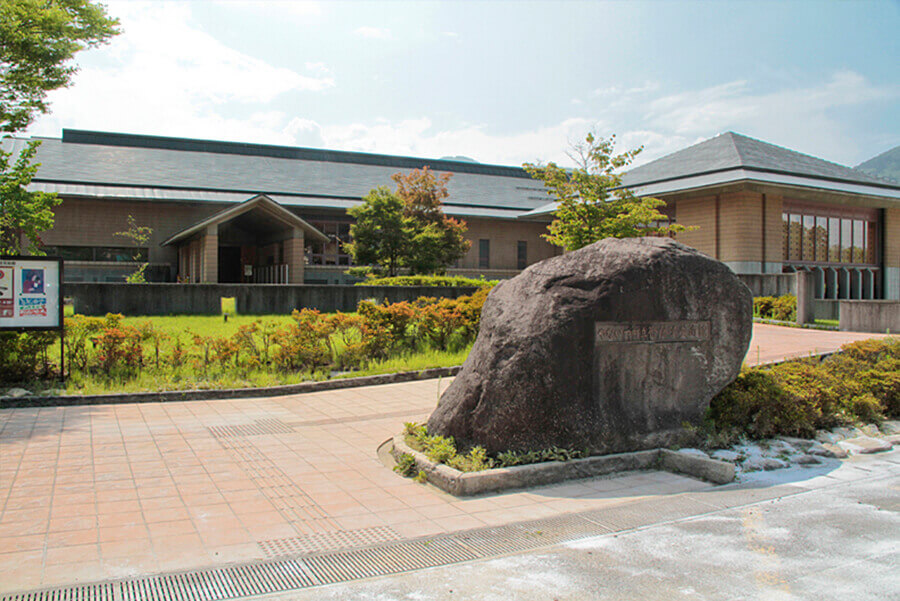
862,383
429,280
406,465
781,308
785,308
23,356
756,404
762,306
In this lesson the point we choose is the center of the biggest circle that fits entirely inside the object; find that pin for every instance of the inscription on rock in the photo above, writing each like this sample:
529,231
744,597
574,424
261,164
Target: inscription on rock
656,331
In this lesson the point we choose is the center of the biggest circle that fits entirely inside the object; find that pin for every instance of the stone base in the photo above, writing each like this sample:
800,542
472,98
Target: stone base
463,484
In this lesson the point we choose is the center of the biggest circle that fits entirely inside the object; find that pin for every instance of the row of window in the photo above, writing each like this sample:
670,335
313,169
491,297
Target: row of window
818,239
113,254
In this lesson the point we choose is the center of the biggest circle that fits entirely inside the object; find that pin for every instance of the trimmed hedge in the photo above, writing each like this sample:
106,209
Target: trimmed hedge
430,280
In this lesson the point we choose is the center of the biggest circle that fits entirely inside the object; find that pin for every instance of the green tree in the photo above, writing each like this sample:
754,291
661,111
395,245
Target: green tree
436,240
407,229
22,213
139,236
380,235
38,39
593,204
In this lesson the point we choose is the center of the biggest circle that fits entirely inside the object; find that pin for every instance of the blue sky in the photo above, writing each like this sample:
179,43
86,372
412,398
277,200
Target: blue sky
501,82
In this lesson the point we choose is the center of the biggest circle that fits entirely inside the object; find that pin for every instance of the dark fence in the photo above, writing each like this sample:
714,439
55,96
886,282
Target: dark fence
252,299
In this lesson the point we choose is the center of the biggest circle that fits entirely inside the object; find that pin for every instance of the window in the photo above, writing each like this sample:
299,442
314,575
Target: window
484,254
834,240
809,236
521,254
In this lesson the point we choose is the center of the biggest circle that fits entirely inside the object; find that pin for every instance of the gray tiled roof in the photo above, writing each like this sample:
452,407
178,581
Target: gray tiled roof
734,151
222,167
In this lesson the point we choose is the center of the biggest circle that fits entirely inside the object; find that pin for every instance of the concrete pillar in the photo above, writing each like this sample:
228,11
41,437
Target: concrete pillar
806,287
209,255
293,256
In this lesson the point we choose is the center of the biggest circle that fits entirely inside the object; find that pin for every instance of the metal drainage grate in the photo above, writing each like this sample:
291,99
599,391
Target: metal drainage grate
389,559
329,566
259,427
328,541
89,592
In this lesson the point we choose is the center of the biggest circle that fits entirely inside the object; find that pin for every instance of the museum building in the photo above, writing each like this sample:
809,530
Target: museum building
245,213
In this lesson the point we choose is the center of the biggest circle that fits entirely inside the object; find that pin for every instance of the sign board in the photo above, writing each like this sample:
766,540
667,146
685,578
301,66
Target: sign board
31,293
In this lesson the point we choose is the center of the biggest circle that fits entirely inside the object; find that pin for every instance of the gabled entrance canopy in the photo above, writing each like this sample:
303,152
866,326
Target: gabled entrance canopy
263,212
256,241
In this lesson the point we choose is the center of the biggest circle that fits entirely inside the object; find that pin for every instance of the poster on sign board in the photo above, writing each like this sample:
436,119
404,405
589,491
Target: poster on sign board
31,293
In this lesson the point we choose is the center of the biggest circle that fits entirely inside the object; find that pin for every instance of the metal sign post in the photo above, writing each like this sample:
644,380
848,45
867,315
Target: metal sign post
31,297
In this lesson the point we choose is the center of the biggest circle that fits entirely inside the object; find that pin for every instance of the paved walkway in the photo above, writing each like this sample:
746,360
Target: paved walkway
773,343
97,492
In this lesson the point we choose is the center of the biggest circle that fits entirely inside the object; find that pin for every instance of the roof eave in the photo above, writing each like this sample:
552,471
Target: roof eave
241,208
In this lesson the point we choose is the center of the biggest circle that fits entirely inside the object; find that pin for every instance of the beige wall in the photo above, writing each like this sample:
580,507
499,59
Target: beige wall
293,256
700,212
749,228
84,222
892,237
504,237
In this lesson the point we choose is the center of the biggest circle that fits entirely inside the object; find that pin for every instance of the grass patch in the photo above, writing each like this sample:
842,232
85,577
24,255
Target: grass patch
828,322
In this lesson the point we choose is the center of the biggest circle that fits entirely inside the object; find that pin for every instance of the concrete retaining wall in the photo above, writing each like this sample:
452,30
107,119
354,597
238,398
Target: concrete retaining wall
252,299
770,284
870,316
825,309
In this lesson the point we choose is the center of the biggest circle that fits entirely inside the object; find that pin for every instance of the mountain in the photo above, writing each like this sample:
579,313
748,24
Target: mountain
886,165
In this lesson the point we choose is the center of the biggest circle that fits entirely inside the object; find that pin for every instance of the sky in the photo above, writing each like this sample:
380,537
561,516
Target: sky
498,82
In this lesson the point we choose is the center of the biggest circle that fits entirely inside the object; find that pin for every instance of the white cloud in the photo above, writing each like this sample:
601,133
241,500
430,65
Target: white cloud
296,8
373,32
419,137
166,77
801,118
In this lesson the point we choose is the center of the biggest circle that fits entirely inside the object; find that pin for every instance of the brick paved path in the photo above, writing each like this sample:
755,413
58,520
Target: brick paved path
96,492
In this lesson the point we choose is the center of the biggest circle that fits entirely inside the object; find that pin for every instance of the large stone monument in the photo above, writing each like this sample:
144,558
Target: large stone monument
610,348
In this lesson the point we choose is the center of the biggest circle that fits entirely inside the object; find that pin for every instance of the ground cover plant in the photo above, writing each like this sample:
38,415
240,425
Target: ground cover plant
130,354
428,280
442,449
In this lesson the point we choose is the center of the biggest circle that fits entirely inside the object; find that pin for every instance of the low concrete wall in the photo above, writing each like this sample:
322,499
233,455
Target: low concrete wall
825,308
770,284
252,299
870,316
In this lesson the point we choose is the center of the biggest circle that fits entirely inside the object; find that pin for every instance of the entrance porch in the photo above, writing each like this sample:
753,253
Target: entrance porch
255,242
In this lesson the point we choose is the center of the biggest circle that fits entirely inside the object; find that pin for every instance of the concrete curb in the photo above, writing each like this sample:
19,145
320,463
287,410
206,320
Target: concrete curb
224,393
464,484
